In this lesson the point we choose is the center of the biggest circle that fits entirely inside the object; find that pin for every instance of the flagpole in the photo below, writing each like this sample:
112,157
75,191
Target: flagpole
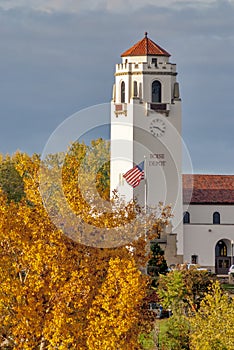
146,195
145,173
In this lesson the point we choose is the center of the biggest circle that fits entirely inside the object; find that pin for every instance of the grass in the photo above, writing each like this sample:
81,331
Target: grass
153,340
161,324
147,341
228,288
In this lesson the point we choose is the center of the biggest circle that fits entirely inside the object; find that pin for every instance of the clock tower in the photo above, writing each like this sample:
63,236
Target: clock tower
146,126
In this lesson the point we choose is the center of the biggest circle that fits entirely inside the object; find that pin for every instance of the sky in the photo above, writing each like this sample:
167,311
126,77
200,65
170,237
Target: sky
58,57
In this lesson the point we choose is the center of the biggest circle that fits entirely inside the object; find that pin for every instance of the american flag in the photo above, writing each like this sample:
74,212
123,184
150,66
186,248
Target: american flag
135,175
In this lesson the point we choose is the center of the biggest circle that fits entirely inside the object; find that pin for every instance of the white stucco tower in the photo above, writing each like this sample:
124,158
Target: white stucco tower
146,123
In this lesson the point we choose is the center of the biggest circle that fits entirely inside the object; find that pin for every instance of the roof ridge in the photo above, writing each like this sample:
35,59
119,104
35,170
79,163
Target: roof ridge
228,175
145,47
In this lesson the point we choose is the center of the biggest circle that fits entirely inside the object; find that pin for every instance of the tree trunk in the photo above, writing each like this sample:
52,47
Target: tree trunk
42,345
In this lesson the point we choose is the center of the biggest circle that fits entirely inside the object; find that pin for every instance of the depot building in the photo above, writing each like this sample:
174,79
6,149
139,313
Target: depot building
146,122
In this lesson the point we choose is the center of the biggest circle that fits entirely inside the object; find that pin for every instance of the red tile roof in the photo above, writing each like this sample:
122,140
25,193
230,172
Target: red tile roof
145,47
208,189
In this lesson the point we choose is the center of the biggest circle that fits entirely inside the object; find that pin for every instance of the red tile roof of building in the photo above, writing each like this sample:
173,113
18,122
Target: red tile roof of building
145,47
208,189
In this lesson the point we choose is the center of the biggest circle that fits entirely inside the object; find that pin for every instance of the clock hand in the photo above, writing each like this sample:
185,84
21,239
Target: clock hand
156,127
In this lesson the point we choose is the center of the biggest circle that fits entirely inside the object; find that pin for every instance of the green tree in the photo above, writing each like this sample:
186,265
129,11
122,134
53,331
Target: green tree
182,291
171,290
192,285
148,341
197,283
11,182
175,334
157,264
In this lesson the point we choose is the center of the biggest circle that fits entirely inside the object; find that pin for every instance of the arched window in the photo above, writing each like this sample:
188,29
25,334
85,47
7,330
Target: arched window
123,92
221,249
194,259
135,92
156,91
216,218
186,217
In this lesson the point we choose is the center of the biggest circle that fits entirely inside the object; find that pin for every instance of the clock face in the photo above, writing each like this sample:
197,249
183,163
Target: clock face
157,127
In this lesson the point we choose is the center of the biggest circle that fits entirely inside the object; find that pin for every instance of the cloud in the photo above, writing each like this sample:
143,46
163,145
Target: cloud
77,6
61,59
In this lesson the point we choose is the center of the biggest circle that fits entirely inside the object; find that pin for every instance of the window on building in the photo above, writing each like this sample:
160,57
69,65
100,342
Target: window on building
221,249
123,92
154,61
186,217
135,92
194,259
216,218
156,91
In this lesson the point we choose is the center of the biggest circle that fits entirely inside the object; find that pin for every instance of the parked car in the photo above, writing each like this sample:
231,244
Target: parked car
159,311
197,267
231,269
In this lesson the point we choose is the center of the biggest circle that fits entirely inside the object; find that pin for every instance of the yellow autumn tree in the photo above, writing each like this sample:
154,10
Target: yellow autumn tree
213,324
44,280
114,314
53,287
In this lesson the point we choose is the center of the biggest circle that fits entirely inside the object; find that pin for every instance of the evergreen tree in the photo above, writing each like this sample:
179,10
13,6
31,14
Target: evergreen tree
157,264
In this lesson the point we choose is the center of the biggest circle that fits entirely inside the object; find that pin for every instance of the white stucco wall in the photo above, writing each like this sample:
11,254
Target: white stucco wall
121,151
140,69
163,178
201,240
203,214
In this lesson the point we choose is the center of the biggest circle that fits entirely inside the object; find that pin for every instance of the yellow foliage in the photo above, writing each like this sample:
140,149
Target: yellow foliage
213,324
57,293
115,310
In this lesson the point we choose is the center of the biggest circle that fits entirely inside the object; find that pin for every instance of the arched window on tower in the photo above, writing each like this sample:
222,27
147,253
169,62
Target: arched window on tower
123,92
186,219
216,218
135,92
156,91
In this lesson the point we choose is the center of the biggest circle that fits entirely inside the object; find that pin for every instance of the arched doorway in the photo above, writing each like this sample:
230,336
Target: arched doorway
222,258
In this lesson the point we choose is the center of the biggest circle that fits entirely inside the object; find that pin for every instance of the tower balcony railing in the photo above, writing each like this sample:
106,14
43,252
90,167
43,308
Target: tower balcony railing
120,108
159,107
